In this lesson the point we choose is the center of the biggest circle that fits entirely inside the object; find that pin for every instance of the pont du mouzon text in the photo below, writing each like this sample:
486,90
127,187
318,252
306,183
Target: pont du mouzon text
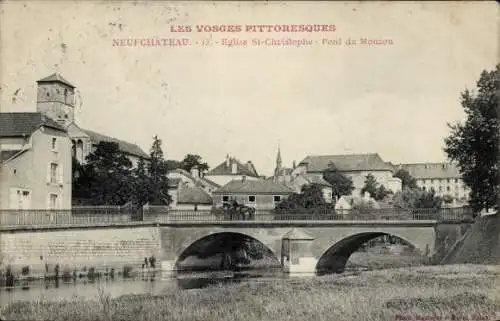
255,28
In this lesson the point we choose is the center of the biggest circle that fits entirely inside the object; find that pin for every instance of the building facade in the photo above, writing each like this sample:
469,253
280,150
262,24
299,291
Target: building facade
259,194
355,166
444,178
35,162
232,169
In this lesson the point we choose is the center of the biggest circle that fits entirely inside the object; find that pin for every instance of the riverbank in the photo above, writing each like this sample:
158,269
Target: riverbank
397,294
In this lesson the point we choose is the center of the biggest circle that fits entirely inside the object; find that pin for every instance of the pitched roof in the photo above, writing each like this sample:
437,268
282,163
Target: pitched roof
347,163
254,186
193,195
126,147
432,170
199,181
55,77
20,124
314,179
241,169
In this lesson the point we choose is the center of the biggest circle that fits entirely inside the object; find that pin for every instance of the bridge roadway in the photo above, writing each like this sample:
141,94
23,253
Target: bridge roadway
301,246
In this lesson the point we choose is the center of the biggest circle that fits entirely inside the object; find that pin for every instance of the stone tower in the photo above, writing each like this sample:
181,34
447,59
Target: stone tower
56,99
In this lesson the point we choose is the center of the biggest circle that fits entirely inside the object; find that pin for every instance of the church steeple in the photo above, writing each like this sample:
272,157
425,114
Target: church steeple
277,170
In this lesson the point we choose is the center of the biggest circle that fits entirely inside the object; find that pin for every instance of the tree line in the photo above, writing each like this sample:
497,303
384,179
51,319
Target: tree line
108,176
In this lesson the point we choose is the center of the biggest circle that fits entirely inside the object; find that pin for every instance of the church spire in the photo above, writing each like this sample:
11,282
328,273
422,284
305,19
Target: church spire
278,164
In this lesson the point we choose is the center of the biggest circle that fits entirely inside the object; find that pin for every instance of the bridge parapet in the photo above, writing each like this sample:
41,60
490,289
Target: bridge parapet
102,215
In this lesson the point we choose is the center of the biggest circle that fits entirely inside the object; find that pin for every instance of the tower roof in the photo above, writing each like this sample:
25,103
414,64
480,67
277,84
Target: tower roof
55,77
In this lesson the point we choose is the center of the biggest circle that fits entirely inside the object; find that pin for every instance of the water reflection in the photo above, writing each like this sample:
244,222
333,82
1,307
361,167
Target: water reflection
153,283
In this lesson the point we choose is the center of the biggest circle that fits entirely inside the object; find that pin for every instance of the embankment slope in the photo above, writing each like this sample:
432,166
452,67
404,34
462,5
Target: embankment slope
479,245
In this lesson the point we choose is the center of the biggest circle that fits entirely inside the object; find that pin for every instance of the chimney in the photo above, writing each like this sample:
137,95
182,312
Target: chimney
227,160
234,167
195,172
250,165
294,165
243,178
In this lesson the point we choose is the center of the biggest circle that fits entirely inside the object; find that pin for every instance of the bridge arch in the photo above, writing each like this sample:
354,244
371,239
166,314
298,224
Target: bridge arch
222,243
334,258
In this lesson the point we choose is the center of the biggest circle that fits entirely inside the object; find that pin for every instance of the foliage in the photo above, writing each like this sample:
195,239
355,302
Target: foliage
191,160
407,181
106,177
361,205
370,186
381,193
341,184
157,188
447,199
474,143
309,201
411,198
173,164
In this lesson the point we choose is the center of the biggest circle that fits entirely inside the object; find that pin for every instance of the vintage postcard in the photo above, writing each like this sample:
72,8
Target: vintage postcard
285,160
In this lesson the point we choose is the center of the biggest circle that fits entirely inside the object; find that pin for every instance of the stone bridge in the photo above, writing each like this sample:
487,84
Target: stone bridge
299,246
304,246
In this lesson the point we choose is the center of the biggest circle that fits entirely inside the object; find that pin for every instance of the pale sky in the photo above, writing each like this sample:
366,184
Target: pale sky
394,100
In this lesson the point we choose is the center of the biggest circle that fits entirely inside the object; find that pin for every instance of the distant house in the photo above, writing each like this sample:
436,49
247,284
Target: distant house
354,166
188,197
303,179
194,178
259,194
35,162
444,178
232,169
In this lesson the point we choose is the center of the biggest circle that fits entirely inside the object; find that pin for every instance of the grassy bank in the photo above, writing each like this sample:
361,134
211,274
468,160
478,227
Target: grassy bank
465,290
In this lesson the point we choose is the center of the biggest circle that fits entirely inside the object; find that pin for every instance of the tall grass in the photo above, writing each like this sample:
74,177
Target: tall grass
430,291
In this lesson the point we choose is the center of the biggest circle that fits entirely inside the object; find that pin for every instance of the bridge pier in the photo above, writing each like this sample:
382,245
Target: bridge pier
297,258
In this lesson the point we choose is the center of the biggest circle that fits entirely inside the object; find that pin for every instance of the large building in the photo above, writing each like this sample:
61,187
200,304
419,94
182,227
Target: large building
354,166
35,162
444,178
36,149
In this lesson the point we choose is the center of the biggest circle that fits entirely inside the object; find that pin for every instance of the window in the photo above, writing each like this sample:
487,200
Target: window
277,198
423,188
54,144
432,181
53,173
440,188
251,199
53,201
225,198
448,180
448,188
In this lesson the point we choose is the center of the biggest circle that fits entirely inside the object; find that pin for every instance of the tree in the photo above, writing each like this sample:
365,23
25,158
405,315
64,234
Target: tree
157,172
341,184
370,186
406,179
173,164
106,177
309,201
413,198
381,193
142,184
474,144
191,160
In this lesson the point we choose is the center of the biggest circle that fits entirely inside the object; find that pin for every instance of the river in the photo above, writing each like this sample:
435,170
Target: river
147,283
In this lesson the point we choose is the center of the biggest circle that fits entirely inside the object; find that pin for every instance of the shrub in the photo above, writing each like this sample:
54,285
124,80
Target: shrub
127,271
